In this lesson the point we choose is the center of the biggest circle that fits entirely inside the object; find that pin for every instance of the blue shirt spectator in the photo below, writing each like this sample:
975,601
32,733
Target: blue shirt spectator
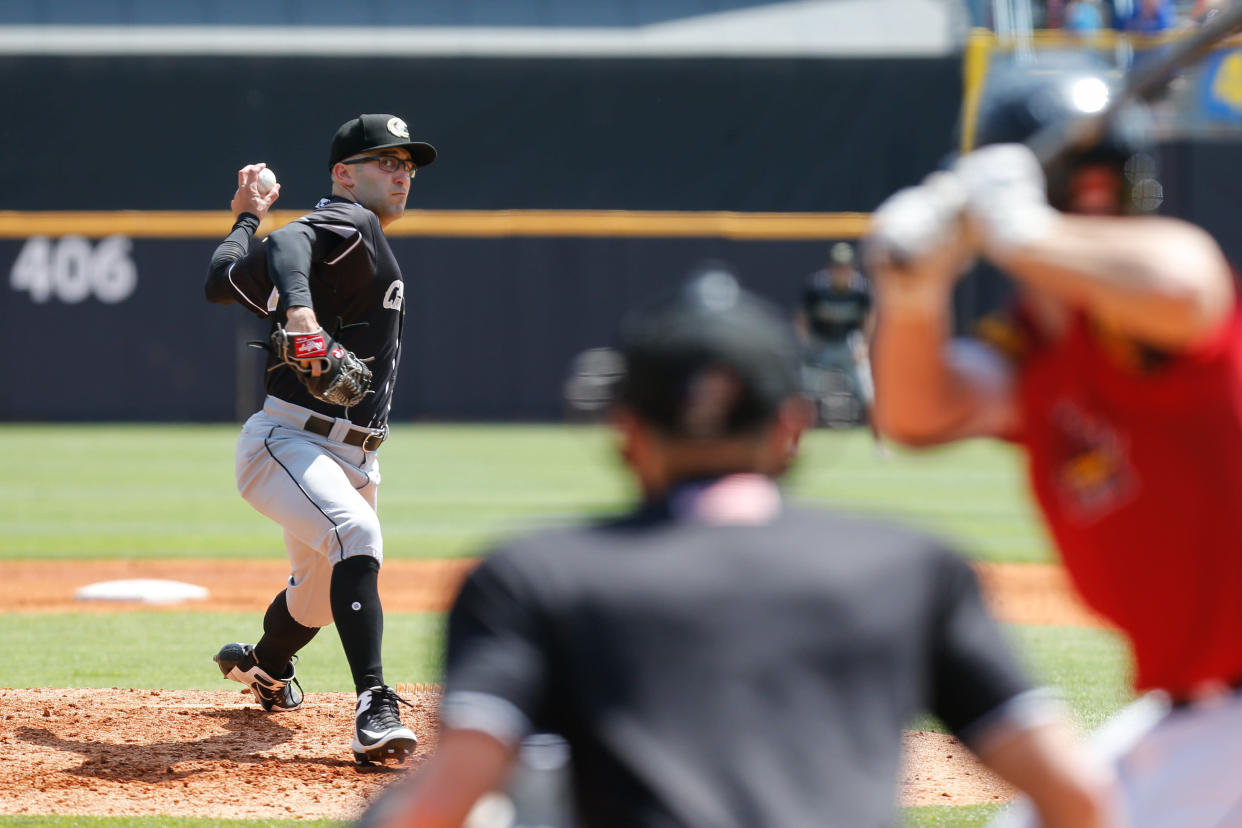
1145,17
1084,16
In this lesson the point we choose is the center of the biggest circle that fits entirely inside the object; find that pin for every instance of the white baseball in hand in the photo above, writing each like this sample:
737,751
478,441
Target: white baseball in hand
266,181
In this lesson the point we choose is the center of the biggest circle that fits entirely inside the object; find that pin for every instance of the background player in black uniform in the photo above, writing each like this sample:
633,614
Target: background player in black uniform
834,323
718,657
310,465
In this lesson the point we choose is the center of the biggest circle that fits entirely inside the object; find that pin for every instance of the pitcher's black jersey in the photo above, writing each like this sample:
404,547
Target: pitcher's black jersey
335,260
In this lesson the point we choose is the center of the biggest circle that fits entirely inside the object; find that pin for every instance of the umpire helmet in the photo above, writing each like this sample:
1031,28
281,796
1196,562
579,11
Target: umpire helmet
712,360
1020,102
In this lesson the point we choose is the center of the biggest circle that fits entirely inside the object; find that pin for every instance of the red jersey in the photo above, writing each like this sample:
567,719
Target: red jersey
1138,471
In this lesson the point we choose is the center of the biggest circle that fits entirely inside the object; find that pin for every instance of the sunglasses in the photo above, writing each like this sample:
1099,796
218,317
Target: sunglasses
387,163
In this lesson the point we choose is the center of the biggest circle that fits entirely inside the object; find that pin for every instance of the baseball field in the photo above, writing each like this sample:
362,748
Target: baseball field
112,714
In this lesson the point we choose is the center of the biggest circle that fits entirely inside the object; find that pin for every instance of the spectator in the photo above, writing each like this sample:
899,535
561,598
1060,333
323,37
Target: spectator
1202,10
1084,17
1144,17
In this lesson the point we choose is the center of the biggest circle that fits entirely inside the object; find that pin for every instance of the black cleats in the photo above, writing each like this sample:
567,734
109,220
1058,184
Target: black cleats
378,732
277,695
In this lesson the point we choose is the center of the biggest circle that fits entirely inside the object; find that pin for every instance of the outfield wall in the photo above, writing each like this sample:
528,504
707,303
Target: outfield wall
117,329
566,191
749,134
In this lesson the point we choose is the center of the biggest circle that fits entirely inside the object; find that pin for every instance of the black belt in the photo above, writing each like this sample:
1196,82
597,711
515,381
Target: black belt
364,438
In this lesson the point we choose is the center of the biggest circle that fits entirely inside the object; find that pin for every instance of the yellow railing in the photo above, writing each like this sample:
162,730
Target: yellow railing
459,223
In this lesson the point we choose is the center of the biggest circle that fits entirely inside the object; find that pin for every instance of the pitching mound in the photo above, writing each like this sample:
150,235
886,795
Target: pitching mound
148,752
193,753
188,753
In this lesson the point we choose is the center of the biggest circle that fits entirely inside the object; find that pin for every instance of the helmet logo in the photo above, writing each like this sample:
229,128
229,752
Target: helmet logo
398,128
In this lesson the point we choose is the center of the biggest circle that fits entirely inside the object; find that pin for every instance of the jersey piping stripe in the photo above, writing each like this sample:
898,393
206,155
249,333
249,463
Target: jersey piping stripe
241,294
336,530
357,240
459,223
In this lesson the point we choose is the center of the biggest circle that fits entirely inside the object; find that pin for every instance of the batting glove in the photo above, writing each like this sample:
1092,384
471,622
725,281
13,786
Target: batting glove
1006,197
912,222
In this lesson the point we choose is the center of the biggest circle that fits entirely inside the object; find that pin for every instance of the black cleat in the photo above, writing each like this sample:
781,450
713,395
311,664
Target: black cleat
277,695
378,732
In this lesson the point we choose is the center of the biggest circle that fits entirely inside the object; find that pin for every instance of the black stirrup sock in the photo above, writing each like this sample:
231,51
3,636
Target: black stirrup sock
282,637
359,618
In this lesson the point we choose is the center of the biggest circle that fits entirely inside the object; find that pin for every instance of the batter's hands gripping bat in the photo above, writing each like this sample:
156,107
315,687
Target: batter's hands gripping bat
1057,140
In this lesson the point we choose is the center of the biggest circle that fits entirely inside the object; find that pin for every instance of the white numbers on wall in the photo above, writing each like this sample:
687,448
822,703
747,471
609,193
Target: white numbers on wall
70,269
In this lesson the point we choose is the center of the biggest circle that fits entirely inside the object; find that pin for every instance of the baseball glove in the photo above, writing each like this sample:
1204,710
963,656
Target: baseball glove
329,370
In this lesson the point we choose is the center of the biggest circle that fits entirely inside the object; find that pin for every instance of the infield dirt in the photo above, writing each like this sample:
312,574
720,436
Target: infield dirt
194,753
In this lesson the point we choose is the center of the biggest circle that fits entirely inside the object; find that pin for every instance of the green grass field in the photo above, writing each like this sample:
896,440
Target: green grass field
167,491
129,491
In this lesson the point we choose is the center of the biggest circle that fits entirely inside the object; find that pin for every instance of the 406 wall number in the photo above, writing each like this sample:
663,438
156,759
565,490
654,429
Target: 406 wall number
71,269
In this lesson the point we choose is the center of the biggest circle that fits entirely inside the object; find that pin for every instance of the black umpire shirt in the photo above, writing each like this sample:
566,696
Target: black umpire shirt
744,675
336,260
832,314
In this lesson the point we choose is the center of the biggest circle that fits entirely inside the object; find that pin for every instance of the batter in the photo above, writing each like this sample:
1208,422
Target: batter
1119,373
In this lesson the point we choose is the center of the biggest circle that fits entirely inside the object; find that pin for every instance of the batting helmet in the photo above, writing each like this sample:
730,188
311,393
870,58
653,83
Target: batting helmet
1019,102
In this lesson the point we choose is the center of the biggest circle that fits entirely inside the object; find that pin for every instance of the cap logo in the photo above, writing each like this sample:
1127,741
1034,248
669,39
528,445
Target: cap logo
398,128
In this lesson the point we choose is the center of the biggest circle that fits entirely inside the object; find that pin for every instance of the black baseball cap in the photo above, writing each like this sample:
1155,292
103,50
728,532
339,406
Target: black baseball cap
712,360
374,132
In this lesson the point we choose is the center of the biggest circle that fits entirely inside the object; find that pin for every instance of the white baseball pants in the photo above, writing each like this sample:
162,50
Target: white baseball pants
321,491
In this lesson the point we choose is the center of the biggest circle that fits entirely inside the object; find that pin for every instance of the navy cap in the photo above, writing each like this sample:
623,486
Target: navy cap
713,360
374,132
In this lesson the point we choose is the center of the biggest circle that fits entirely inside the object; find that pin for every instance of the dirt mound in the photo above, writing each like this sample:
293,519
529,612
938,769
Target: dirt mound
187,753
939,770
193,753
146,752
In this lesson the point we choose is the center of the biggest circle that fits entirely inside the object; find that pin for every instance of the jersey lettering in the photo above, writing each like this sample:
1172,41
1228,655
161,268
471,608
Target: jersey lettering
395,295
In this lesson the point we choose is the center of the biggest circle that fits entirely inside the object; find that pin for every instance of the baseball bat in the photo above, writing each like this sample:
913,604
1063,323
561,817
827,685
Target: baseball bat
1055,141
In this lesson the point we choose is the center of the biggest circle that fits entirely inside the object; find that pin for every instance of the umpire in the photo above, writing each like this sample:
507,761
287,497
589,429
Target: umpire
718,657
